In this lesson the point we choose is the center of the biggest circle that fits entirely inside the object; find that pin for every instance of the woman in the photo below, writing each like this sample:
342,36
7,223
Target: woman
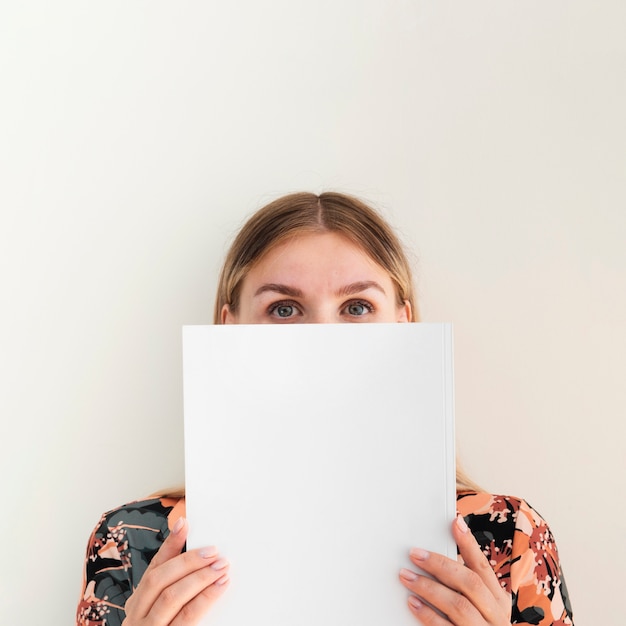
324,259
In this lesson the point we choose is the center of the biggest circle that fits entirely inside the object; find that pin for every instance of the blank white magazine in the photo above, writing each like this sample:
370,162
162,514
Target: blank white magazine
316,456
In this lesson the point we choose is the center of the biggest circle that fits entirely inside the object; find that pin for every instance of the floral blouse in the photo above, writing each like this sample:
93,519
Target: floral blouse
513,536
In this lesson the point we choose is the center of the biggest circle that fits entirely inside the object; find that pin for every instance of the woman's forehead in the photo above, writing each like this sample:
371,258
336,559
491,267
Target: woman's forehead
320,260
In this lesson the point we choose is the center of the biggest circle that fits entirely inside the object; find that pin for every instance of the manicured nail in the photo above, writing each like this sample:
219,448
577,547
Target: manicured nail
419,554
460,522
178,526
219,564
415,603
407,574
207,553
222,580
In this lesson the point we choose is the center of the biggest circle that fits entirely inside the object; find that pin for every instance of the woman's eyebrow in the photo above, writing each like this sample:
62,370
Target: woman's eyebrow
284,290
352,288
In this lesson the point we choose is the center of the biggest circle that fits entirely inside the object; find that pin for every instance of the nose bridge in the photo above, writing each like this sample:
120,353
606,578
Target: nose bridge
323,315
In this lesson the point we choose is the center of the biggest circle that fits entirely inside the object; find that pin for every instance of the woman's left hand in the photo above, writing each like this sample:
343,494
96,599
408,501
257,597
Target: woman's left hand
467,595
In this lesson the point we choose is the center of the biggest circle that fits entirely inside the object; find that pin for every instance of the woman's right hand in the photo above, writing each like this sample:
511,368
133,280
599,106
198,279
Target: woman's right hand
177,588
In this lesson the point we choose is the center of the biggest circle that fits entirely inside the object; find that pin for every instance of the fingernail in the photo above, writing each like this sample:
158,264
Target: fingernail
220,564
207,553
419,554
222,580
407,574
178,526
415,603
460,522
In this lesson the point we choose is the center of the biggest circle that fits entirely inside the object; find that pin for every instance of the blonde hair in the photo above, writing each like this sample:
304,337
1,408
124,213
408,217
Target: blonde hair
464,483
298,213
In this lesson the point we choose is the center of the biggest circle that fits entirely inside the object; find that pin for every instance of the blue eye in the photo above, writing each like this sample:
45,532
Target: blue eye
357,309
283,310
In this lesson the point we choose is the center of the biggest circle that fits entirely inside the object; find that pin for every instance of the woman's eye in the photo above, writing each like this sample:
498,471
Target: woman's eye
284,310
358,308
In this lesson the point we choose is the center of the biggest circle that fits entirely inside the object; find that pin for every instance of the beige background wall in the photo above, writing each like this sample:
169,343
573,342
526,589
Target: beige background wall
136,136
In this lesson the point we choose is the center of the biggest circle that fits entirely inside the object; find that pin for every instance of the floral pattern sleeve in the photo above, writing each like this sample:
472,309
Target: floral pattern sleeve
522,551
119,551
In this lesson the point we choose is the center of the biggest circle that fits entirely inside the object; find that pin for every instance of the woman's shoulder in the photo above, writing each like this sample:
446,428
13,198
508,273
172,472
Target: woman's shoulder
497,507
120,549
148,513
522,551
128,536
501,517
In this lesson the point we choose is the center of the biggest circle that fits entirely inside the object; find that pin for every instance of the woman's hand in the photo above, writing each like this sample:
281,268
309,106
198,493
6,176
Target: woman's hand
467,595
177,589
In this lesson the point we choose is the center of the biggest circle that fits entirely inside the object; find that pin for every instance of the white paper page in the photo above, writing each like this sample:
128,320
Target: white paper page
316,456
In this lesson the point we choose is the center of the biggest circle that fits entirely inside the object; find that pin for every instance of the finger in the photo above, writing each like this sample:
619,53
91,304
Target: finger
193,611
175,598
156,580
425,615
456,577
475,560
455,606
172,545
140,602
